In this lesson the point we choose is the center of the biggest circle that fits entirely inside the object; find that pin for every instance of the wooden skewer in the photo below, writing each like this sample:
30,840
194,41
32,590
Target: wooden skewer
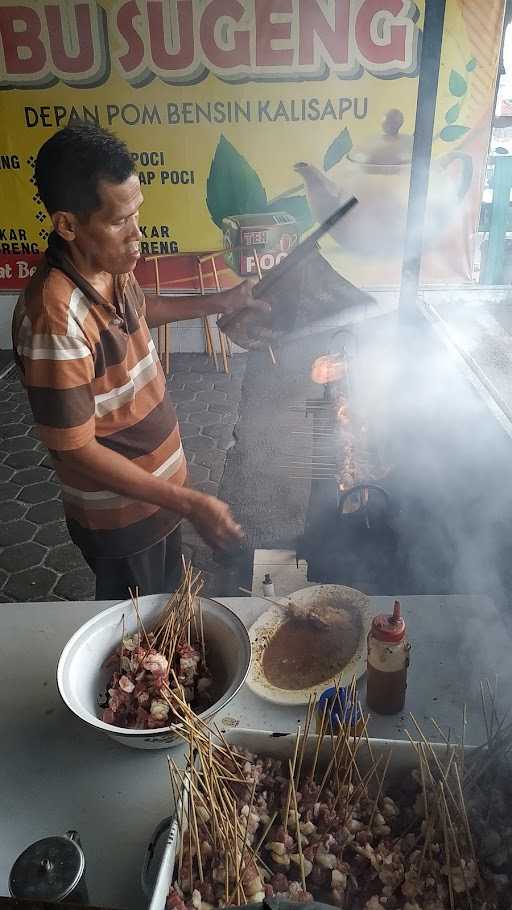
309,714
288,798
206,323
221,335
297,823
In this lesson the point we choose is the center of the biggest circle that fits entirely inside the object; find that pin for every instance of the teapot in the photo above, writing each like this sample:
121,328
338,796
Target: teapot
378,173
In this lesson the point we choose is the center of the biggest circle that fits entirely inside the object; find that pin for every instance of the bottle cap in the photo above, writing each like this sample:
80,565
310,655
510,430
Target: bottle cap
389,628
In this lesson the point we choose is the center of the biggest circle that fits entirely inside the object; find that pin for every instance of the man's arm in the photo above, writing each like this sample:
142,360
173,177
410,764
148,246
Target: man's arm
211,517
161,310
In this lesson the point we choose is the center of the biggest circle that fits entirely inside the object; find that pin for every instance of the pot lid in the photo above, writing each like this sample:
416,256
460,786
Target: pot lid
390,148
48,870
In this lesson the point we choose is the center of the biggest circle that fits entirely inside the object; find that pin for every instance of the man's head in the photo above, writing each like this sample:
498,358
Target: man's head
86,179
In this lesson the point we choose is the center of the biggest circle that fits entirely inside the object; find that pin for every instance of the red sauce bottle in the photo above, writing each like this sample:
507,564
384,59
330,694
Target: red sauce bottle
388,660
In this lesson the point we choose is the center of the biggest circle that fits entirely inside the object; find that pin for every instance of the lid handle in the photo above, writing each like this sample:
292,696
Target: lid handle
396,612
74,836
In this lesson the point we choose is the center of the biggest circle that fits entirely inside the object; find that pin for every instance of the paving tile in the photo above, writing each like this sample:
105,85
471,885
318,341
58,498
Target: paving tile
191,407
30,475
8,491
13,417
46,511
14,532
226,383
8,407
21,556
12,429
197,473
224,410
210,458
23,459
196,444
5,473
187,430
53,534
18,444
76,585
214,396
65,558
11,509
182,395
216,474
199,420
30,584
221,435
207,486
39,492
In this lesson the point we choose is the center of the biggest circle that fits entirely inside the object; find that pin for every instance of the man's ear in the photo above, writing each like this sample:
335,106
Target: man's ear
64,224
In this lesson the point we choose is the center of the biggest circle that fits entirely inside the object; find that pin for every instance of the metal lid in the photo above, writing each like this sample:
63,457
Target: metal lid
49,869
390,149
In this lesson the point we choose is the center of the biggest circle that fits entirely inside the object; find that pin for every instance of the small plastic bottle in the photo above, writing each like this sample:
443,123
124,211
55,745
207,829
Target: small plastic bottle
268,586
388,660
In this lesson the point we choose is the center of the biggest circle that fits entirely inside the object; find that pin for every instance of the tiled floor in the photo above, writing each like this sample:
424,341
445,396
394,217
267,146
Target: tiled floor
37,559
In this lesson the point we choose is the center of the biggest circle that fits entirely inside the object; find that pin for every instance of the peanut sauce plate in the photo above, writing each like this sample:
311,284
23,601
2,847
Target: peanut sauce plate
317,637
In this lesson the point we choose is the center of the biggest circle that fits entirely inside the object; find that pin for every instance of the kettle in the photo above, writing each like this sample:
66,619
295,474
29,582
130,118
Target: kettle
378,173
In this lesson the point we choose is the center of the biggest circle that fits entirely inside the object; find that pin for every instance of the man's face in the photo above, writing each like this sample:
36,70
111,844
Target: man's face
109,239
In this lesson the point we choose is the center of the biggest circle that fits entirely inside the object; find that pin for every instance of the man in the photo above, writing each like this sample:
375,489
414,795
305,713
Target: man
96,388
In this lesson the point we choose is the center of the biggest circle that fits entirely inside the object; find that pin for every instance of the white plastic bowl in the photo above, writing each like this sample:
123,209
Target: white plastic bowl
82,677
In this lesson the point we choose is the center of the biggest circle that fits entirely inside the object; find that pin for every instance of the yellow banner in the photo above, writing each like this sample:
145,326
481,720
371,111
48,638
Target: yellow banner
277,109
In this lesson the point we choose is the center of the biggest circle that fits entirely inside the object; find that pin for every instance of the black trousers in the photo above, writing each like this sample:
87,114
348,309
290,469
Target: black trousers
156,570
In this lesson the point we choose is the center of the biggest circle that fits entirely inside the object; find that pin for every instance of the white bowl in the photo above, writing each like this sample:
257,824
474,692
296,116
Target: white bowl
82,677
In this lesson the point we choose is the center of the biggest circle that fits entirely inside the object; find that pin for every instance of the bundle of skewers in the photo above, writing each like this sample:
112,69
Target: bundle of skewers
488,792
149,663
329,824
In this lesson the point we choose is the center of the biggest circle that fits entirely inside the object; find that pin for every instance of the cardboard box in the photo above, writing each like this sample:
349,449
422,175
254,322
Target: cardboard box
266,238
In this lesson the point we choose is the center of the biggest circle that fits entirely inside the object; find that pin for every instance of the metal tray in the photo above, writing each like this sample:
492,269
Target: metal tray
274,745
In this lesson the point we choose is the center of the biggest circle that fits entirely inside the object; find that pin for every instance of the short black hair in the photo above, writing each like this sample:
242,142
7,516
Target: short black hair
71,163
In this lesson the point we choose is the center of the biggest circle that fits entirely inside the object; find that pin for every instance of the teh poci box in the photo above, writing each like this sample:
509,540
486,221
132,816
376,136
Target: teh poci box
266,238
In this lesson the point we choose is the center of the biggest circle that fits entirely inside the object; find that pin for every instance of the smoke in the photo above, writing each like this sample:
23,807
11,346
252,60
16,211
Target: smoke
451,476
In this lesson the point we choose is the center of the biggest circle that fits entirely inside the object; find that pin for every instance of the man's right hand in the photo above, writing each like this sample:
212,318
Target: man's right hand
213,520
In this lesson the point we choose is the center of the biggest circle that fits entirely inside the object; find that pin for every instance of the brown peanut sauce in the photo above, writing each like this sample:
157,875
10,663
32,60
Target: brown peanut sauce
303,652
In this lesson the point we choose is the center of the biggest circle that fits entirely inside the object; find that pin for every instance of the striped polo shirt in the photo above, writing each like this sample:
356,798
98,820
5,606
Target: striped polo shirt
91,371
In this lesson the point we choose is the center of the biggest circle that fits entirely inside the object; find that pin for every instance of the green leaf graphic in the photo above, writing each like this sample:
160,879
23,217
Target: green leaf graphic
297,207
452,133
233,186
338,149
471,65
453,113
458,85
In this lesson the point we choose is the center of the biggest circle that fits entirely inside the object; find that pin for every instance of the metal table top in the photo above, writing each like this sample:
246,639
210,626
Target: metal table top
58,774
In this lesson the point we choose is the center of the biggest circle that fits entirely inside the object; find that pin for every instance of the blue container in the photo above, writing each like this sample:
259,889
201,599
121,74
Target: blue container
340,709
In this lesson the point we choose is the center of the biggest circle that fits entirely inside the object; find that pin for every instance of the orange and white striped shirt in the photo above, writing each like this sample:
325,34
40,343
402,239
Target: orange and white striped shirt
91,371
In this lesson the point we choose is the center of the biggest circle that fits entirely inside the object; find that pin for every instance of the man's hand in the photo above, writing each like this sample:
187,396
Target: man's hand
213,520
240,298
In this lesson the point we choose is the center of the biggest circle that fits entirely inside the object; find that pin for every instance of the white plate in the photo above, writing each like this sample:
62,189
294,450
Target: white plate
266,625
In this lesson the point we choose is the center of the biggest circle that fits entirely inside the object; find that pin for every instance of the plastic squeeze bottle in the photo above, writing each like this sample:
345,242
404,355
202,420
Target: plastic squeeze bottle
388,660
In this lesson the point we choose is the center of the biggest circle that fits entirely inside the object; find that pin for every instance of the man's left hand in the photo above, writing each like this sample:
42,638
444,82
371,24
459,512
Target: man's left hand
240,298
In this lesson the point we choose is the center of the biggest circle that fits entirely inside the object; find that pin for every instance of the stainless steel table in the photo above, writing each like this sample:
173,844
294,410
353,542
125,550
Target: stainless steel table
57,774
